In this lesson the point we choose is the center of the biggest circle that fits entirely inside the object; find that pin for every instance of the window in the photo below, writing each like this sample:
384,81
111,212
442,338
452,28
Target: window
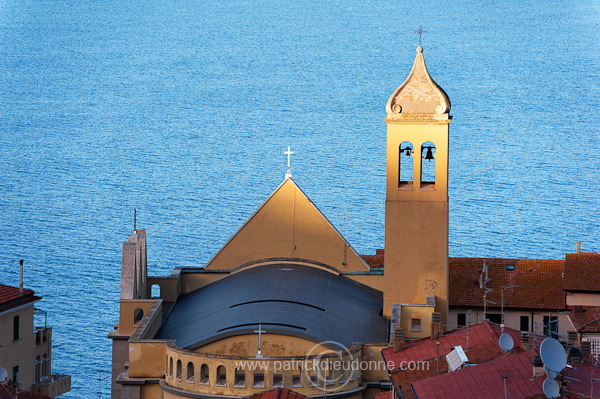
428,166
277,380
240,379
15,378
494,317
524,324
171,367
45,362
221,376
138,314
461,319
204,374
551,326
38,369
297,378
155,291
405,165
190,372
16,328
259,380
179,374
415,324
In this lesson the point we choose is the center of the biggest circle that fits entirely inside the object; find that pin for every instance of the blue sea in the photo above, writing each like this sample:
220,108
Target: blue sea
182,110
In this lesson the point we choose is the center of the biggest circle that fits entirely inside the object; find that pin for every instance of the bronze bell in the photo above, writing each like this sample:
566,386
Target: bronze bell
429,155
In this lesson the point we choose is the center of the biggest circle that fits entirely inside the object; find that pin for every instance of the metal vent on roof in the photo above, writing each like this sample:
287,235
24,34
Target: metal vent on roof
457,358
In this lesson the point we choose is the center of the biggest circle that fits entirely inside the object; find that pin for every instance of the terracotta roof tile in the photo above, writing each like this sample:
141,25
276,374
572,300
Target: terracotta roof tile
475,338
278,393
586,320
482,346
10,297
486,380
539,282
582,272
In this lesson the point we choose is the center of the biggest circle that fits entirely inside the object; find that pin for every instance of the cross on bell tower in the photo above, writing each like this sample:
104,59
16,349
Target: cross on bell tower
420,32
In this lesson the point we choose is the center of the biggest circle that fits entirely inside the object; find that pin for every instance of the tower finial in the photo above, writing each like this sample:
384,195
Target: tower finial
420,32
289,153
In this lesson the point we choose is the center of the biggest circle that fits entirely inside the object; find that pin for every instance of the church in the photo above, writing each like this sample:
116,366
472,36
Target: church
287,305
287,302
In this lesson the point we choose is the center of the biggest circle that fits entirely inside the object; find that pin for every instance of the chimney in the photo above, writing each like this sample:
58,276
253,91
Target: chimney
398,341
436,325
571,339
538,366
525,340
578,247
21,276
586,349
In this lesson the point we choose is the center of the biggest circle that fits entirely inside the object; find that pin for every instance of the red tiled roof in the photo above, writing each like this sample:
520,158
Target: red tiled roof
374,261
482,347
539,281
278,393
8,392
586,320
485,380
10,297
582,272
480,335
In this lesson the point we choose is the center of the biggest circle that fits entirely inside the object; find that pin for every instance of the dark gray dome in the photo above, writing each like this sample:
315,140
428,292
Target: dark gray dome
286,299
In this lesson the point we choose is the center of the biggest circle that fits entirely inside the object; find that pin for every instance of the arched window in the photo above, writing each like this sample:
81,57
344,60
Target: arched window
171,367
405,165
428,166
138,314
204,374
179,374
155,291
240,378
38,369
45,365
221,376
190,372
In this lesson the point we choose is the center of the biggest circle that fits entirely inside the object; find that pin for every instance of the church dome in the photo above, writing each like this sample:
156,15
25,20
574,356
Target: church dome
419,97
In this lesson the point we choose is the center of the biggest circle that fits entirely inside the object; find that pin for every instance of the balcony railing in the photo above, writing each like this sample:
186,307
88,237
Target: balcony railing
52,386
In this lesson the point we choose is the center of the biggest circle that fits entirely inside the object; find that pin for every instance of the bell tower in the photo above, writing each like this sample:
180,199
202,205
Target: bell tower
416,210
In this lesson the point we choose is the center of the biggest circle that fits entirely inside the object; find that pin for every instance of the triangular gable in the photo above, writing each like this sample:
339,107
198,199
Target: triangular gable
288,225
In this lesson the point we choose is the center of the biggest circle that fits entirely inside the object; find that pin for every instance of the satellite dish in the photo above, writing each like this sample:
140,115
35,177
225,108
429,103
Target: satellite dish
551,388
553,354
3,374
551,373
506,342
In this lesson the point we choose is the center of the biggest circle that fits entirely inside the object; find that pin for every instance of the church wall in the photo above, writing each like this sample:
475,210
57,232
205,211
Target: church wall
413,329
169,287
146,358
372,280
127,315
151,391
272,345
186,371
374,369
192,281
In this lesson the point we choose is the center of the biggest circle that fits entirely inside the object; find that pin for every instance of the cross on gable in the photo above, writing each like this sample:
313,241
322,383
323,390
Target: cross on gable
289,153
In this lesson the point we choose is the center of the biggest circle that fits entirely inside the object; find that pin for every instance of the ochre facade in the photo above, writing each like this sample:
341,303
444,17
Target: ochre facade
289,232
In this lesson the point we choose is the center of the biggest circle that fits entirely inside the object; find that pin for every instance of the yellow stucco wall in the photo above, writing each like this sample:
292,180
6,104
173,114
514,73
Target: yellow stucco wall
272,345
288,225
